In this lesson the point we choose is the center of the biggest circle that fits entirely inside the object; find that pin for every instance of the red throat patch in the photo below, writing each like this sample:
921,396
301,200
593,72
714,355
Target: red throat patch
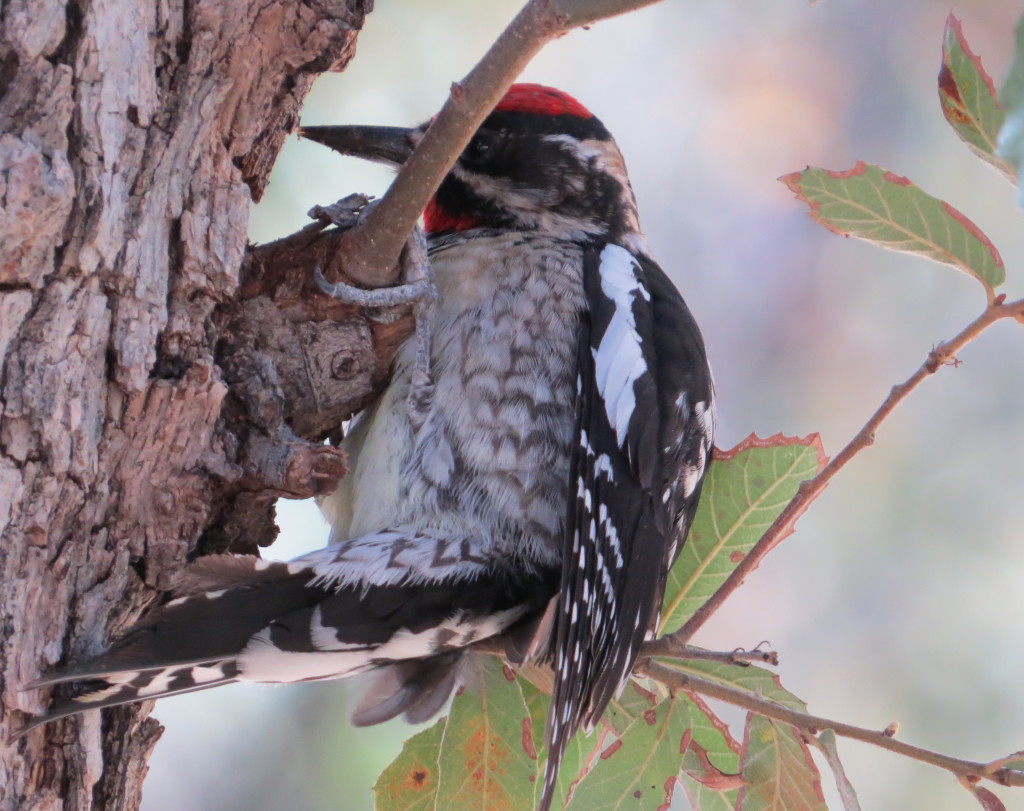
436,220
536,98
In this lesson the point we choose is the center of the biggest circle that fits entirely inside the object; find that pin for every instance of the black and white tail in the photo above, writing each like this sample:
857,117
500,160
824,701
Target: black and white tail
402,605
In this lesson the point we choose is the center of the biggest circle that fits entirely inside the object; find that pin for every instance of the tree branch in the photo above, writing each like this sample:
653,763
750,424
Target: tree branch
809,490
972,770
369,253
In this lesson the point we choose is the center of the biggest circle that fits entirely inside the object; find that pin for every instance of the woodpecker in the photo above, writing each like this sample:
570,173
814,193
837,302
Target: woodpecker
540,497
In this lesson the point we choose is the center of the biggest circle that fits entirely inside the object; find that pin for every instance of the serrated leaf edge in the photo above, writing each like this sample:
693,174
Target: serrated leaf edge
794,182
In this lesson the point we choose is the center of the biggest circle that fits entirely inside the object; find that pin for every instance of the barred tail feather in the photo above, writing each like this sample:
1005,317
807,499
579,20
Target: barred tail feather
347,609
129,687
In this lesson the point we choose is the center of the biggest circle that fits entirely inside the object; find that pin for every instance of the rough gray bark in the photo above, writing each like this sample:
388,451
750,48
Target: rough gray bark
133,135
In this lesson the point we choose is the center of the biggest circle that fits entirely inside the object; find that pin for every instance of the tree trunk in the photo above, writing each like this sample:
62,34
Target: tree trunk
133,136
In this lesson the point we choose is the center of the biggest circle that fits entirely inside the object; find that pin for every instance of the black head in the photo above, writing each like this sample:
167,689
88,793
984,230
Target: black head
540,161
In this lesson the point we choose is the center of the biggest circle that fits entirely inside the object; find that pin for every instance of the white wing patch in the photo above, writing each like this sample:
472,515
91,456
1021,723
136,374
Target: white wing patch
618,360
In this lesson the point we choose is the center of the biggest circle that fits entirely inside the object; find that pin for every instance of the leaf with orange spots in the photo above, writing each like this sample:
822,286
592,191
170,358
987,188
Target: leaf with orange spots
640,770
638,696
410,782
778,770
745,490
537,703
969,100
881,207
485,761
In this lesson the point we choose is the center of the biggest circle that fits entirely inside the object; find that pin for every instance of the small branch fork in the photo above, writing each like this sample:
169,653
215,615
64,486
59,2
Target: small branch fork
943,354
369,252
968,770
674,645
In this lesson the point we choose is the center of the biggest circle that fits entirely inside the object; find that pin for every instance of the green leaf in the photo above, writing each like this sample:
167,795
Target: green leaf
757,681
640,770
1011,137
581,755
1014,761
711,764
712,735
410,782
745,490
537,704
578,753
487,758
968,98
704,799
634,700
778,771
878,206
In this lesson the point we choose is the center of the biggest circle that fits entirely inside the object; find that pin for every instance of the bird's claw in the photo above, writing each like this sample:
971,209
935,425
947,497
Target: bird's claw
346,213
418,290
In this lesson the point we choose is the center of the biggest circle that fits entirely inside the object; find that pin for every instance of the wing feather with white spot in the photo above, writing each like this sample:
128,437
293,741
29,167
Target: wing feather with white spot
644,424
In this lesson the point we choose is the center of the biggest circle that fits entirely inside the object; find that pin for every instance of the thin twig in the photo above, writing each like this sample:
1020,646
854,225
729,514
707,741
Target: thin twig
669,646
812,488
369,253
974,770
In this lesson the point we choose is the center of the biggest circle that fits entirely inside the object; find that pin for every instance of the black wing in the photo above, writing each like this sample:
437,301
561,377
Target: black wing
644,426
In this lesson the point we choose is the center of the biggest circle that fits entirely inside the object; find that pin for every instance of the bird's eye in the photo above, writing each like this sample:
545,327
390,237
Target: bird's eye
482,147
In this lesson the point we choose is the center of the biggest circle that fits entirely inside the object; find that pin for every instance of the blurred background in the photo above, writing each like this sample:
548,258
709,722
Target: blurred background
901,595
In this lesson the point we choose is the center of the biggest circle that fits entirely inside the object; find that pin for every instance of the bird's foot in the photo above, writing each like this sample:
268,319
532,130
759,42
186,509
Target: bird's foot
417,289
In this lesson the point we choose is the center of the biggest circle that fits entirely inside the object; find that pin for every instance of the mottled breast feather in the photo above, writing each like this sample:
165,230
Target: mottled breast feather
492,458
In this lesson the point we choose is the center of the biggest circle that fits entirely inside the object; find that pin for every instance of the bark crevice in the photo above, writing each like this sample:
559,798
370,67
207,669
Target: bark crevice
159,386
